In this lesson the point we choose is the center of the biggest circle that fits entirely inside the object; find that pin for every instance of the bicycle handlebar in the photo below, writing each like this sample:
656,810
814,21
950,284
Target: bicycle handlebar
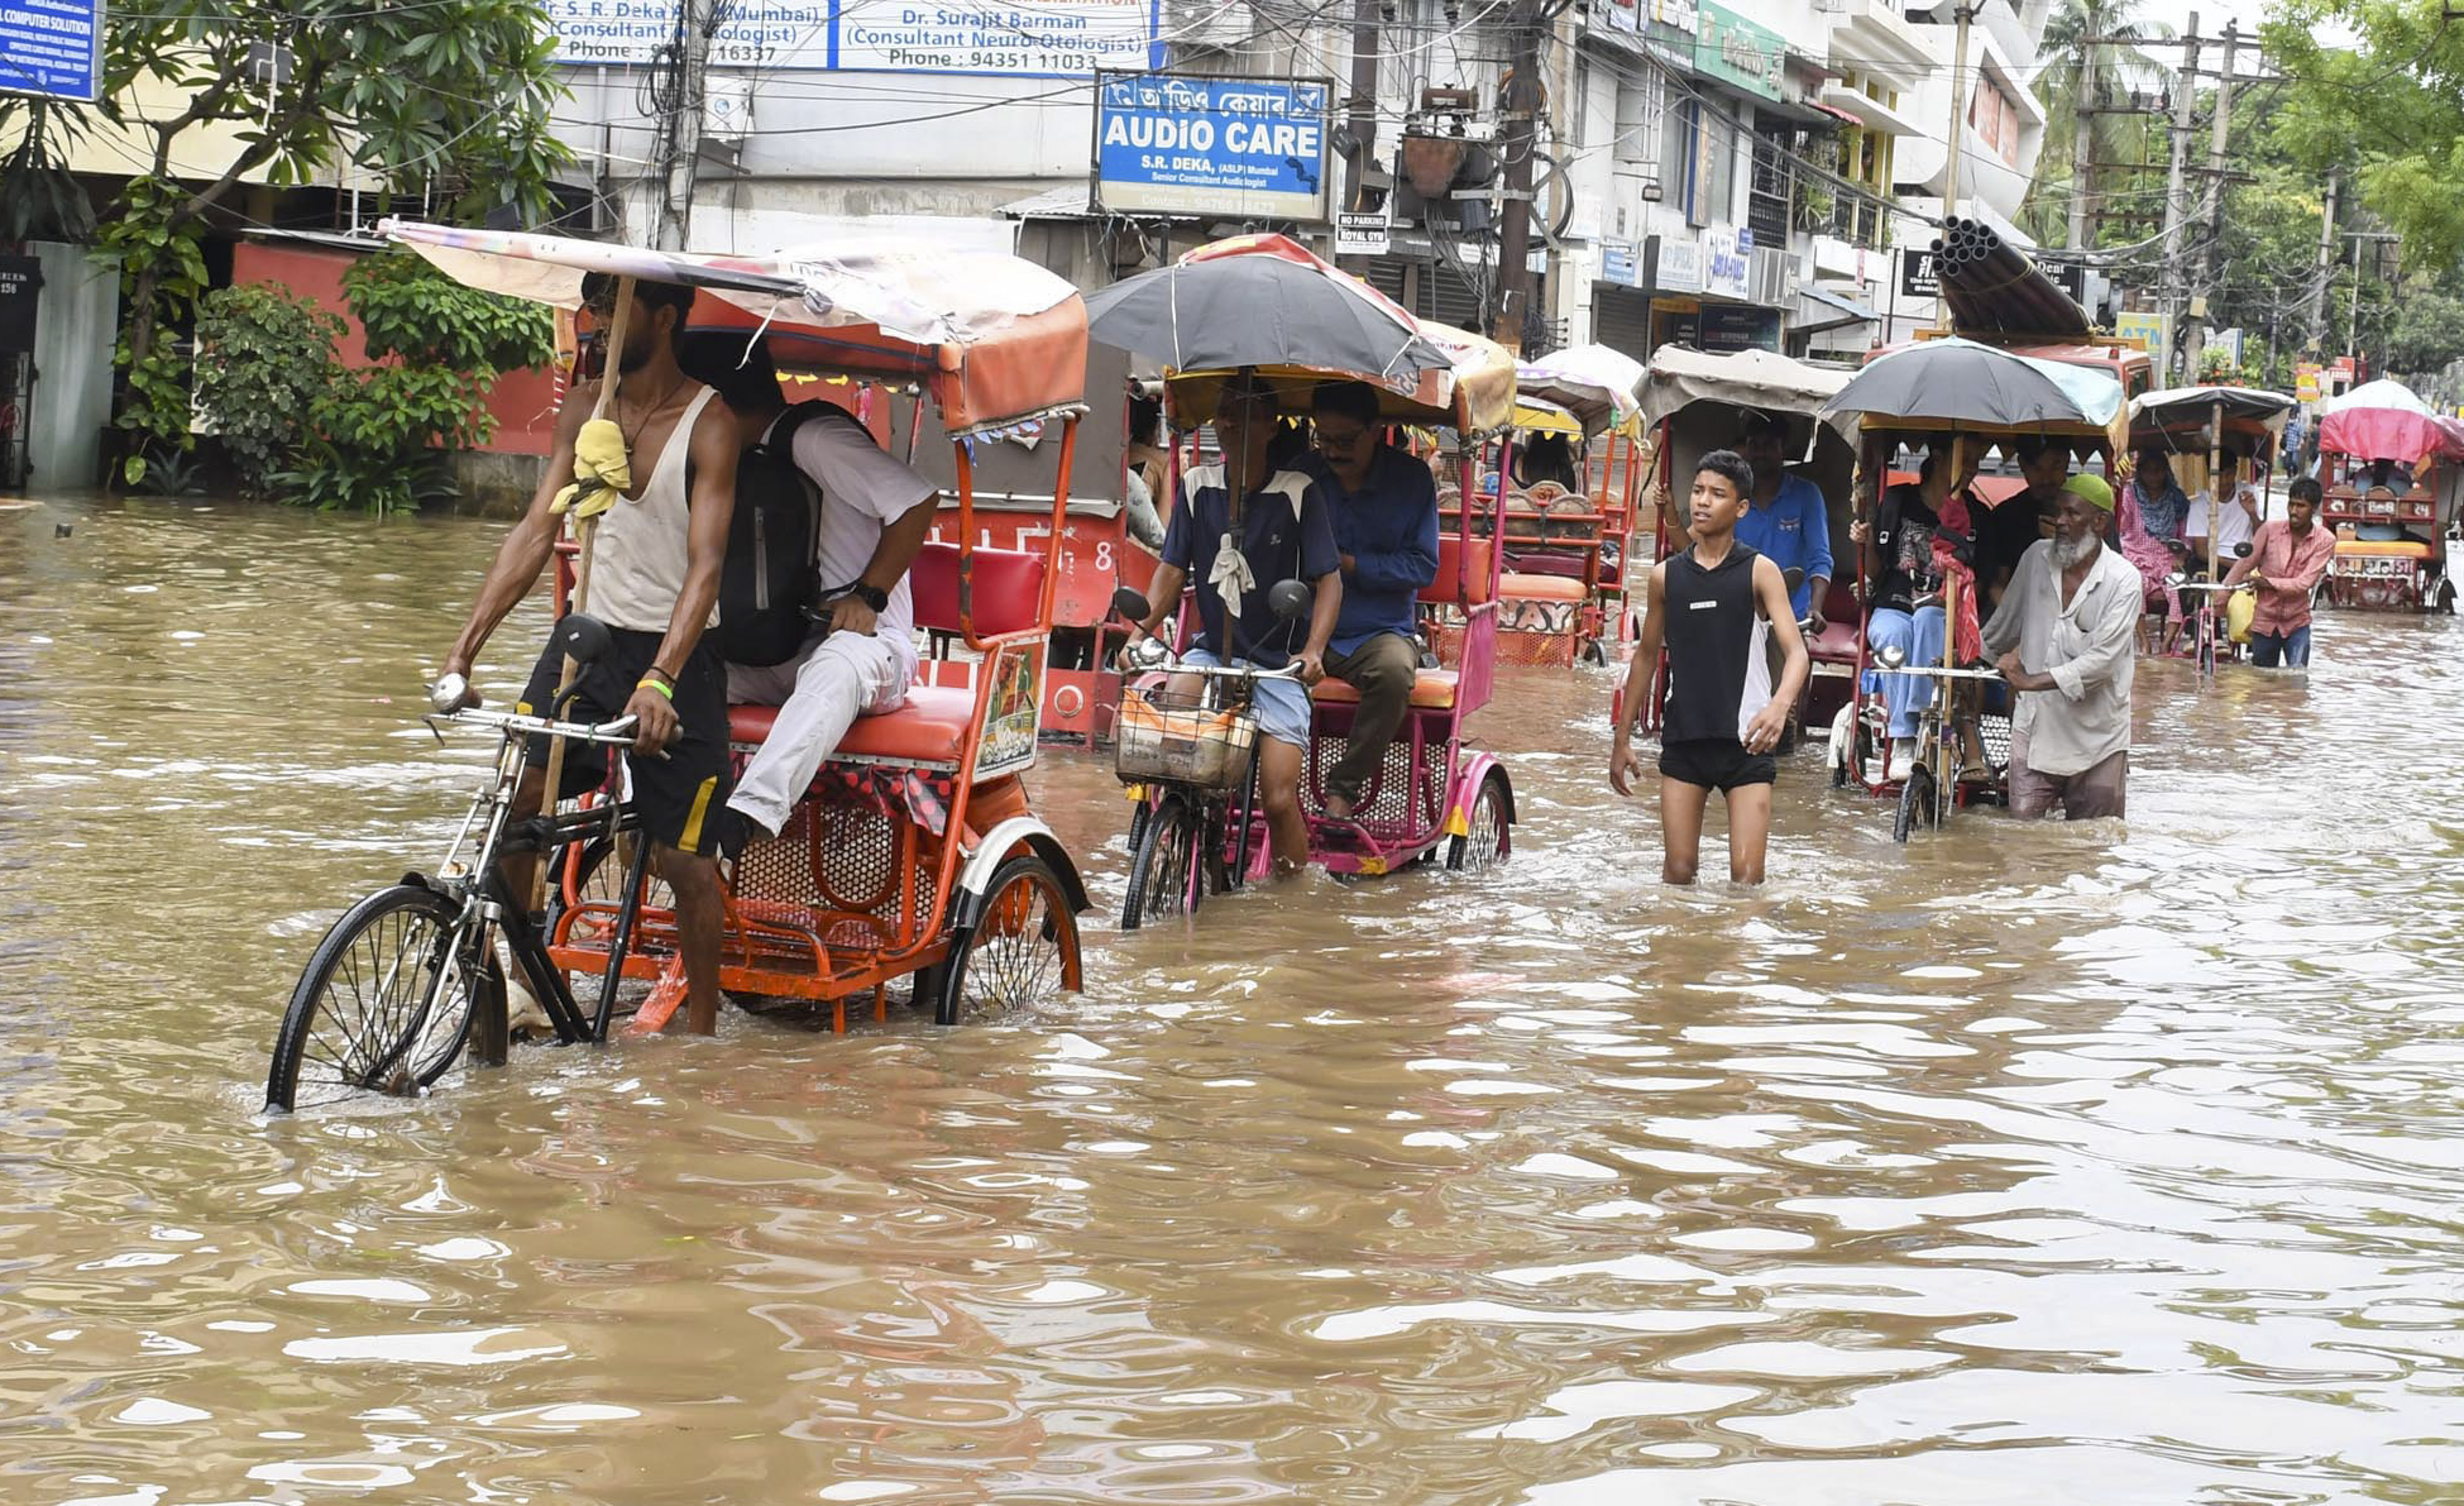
618,733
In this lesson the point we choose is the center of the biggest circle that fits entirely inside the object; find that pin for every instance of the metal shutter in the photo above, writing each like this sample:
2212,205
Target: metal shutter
1621,320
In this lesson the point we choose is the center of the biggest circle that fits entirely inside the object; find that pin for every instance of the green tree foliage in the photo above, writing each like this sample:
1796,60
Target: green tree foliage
376,438
265,358
450,94
2391,110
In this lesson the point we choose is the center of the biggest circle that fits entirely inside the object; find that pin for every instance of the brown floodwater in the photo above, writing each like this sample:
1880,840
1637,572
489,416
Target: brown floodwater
2020,1164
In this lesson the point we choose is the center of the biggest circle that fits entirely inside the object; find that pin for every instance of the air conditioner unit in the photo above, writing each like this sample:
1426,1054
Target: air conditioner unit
1769,274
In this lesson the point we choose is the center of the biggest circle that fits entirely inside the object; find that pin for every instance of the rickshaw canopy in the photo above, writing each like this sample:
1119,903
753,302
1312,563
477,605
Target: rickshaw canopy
1537,415
2198,405
2385,420
1593,383
1680,376
995,340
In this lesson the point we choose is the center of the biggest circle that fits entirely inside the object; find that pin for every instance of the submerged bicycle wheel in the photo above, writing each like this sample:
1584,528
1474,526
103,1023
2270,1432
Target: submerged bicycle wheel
1022,952
1166,880
1916,802
1490,839
370,1015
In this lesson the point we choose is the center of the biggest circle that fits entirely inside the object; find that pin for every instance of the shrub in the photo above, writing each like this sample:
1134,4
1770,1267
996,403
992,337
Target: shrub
265,360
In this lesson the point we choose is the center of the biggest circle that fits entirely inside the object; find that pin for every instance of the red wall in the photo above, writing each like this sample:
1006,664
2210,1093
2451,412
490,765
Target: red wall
523,402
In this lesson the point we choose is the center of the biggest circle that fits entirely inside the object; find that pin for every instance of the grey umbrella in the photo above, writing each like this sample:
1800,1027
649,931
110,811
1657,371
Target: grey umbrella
1953,382
1259,309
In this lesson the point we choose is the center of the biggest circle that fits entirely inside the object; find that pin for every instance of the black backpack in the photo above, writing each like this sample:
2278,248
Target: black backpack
766,585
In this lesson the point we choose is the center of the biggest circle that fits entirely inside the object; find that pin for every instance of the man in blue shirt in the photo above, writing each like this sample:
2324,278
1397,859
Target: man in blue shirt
1285,531
1787,519
1386,528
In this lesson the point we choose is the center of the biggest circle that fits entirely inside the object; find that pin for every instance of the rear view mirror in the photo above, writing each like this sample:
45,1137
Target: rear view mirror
2241,551
1129,606
582,637
1291,599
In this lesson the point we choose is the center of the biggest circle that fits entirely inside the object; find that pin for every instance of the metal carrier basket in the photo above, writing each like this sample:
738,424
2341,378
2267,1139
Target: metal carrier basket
1178,740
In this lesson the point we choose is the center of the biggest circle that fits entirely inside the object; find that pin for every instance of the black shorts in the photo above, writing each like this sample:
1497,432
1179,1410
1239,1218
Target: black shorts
682,797
1719,764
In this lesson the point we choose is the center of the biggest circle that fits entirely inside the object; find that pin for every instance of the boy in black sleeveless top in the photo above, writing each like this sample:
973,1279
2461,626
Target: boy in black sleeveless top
1713,605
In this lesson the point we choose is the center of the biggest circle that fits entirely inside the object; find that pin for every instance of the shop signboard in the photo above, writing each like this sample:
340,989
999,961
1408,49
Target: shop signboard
1171,143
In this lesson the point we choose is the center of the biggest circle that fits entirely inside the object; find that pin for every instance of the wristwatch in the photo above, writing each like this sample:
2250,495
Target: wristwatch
872,596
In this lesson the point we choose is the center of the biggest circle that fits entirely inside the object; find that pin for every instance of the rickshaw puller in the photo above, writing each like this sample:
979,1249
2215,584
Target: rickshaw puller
2287,557
861,659
1385,520
2072,612
654,580
1286,531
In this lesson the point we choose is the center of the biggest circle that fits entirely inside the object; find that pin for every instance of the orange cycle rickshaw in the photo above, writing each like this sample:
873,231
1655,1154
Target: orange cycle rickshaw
913,855
1563,596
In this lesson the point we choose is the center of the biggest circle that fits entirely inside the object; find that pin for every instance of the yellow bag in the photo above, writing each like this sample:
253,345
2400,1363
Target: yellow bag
2239,609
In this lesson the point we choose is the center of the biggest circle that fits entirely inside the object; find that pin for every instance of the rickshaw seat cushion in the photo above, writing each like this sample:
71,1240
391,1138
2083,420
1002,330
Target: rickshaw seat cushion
2400,548
1443,591
1432,690
931,727
1834,644
1570,565
1527,586
1009,589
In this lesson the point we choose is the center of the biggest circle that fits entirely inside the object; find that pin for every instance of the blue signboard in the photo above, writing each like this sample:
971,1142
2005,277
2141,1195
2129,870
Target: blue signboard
1246,147
51,47
1617,264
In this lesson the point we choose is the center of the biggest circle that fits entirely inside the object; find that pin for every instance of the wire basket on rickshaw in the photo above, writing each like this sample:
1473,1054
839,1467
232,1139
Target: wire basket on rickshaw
1176,738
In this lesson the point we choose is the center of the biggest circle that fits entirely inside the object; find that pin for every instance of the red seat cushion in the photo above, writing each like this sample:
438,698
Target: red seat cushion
1445,590
1431,689
1519,585
1834,644
932,726
1009,589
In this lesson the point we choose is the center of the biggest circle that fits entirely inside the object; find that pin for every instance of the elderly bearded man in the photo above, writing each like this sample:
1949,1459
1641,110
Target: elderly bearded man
2064,638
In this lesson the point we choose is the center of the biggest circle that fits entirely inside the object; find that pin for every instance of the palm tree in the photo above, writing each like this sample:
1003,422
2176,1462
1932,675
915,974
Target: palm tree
2091,56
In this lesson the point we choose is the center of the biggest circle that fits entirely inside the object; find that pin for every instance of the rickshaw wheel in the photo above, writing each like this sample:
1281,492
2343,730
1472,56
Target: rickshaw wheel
1916,803
347,1031
1164,881
1022,952
1490,839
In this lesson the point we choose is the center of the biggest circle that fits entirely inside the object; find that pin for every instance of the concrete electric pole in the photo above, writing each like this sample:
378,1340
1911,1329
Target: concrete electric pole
1361,115
2316,327
1519,103
2194,344
681,131
2185,90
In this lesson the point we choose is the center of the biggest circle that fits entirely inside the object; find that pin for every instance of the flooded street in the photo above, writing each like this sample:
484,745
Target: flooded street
2021,1164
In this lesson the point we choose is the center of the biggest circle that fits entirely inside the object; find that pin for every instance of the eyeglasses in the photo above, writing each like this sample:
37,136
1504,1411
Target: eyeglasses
1340,438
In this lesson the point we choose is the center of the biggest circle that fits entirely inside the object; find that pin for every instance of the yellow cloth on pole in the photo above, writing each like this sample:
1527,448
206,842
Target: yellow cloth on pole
601,470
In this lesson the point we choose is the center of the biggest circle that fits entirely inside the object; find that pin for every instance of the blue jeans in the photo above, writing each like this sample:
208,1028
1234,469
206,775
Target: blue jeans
2292,650
1282,706
1921,638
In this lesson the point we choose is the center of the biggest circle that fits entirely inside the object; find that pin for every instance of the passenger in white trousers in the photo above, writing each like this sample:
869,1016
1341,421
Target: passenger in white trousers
875,514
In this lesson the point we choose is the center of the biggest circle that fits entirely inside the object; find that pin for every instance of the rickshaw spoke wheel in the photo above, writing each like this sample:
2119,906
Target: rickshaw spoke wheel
1022,951
1490,839
1163,863
361,1020
1916,802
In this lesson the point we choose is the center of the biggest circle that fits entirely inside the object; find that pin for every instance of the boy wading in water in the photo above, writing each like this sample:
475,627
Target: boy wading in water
1712,604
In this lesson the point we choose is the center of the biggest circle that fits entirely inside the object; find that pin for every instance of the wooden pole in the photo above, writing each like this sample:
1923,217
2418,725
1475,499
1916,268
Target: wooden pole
584,532
2215,480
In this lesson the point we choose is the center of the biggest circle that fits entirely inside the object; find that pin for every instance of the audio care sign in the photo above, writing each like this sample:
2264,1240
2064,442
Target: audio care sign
1168,143
1062,38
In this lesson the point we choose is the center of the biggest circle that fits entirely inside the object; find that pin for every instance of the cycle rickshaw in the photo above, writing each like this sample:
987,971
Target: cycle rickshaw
2206,424
914,854
1433,787
2393,475
1973,395
1694,403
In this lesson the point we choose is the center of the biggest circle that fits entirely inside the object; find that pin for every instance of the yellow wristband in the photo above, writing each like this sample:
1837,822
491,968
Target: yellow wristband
648,683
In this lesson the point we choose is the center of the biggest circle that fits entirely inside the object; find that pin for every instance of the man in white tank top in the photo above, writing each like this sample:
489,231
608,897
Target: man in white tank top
654,583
